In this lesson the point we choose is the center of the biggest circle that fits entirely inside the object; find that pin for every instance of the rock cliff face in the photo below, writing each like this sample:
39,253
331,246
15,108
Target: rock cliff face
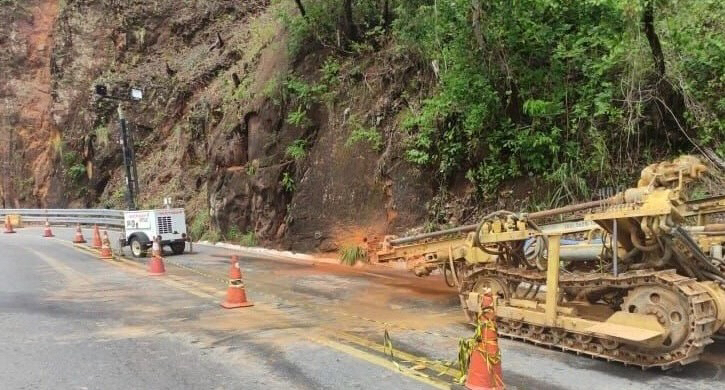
212,130
27,130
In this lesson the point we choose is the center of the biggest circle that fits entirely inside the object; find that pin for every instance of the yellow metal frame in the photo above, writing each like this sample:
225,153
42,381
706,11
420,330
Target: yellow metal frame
459,248
514,235
552,280
619,325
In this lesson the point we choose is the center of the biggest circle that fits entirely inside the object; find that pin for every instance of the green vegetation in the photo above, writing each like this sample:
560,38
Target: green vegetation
118,196
249,239
74,167
25,186
566,91
244,239
360,133
212,235
331,71
252,168
242,92
297,150
301,95
298,117
272,88
233,234
287,182
9,3
70,158
200,225
352,254
76,172
102,135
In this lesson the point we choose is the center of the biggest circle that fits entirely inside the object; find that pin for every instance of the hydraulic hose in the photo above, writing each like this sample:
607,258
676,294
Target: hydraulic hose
638,243
445,275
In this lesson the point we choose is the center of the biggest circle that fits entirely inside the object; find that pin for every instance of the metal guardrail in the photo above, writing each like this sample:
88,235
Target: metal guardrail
69,216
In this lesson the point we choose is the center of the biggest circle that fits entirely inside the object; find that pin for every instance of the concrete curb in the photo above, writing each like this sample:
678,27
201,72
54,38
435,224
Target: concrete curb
265,251
268,253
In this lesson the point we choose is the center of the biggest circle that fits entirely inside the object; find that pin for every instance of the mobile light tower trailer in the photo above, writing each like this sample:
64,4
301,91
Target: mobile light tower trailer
143,225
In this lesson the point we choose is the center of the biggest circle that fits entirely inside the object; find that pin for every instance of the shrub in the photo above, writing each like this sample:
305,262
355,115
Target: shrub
352,254
249,239
297,150
287,182
200,225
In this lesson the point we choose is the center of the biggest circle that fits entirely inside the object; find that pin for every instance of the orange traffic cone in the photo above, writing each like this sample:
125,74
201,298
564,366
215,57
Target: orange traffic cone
8,225
236,294
234,271
105,253
79,239
47,232
484,368
97,244
156,266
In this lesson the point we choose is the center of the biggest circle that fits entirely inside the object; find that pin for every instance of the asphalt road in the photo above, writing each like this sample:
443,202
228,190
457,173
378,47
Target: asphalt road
69,320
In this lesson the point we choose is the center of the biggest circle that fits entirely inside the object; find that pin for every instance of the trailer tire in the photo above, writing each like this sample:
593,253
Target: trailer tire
137,248
178,247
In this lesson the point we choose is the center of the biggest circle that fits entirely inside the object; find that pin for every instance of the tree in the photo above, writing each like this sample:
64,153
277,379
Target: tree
301,8
670,102
652,38
347,22
386,15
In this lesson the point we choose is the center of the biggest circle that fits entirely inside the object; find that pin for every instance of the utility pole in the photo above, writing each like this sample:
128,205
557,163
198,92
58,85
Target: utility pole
126,141
128,161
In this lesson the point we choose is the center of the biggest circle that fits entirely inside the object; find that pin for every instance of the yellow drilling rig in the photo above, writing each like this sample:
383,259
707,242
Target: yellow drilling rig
638,278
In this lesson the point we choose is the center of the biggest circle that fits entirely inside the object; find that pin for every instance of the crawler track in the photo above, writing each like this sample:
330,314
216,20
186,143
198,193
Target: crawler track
700,309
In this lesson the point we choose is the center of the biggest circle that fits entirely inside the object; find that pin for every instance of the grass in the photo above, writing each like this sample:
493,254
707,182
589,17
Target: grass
353,254
212,235
273,87
244,239
102,135
200,226
118,196
249,239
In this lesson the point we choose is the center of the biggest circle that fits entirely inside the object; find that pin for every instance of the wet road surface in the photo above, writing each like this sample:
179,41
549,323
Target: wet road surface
70,320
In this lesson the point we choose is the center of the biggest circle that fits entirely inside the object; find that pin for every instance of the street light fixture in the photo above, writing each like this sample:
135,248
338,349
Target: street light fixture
136,94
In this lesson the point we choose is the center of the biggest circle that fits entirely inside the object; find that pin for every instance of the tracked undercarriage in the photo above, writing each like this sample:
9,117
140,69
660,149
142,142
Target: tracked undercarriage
684,307
639,278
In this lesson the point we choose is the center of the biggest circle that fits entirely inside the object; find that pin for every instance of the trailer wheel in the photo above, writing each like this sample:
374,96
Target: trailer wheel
178,247
137,250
